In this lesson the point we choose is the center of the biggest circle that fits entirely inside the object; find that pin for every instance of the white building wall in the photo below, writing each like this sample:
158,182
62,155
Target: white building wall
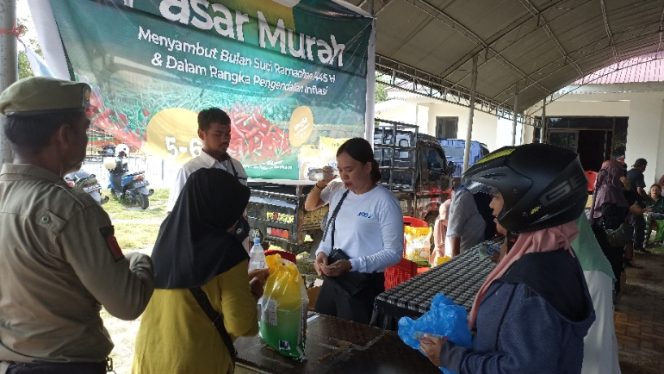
645,129
642,104
423,112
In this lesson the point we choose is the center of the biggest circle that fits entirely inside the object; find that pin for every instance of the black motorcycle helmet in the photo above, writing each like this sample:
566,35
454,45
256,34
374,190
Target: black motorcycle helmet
542,185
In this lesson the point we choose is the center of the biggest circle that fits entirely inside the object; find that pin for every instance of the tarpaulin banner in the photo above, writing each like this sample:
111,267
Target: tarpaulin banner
292,74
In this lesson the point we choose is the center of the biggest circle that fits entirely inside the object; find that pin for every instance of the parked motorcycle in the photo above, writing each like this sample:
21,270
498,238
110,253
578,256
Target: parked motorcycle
130,189
88,183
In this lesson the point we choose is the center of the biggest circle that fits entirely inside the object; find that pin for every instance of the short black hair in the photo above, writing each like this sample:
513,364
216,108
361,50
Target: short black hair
31,134
208,116
640,162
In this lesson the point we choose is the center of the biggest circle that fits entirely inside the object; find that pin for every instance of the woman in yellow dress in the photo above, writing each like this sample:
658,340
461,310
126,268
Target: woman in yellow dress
199,245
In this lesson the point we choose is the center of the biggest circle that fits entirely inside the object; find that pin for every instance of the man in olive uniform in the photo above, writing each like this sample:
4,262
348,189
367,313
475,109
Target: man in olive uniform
59,260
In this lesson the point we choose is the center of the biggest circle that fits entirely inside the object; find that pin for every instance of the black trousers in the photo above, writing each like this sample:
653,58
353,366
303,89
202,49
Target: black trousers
336,301
57,368
613,254
639,223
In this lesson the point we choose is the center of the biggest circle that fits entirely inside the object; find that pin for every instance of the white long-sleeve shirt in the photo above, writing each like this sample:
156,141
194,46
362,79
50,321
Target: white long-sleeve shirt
204,160
369,228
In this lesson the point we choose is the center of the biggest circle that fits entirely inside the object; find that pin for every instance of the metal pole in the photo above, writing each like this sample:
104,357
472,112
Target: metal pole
514,113
545,128
466,151
8,65
371,80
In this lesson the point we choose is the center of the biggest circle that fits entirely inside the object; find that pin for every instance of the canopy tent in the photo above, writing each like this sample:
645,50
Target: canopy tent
526,48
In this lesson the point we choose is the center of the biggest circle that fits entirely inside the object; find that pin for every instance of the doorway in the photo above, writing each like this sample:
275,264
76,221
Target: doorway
593,138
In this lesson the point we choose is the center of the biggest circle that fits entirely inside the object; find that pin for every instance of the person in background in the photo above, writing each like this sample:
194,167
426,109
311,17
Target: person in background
440,229
654,209
600,346
637,221
636,179
121,153
199,250
608,212
214,130
363,236
60,261
121,167
466,226
527,317
618,155
440,225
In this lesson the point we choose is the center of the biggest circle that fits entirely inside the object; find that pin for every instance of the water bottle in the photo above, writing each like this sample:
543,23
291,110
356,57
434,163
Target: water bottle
256,256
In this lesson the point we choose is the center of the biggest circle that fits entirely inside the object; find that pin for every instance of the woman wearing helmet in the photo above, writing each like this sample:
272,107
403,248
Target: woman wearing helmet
533,310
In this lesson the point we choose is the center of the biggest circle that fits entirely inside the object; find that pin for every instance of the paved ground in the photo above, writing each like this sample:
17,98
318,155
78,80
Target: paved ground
639,317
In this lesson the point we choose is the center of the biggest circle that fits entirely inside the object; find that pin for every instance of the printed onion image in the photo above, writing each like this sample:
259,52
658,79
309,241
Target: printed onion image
300,126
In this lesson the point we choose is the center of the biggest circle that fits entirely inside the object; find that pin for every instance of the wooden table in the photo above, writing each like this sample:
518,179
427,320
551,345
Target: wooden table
337,346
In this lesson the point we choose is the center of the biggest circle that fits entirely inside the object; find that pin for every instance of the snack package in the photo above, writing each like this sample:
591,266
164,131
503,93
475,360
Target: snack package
418,244
282,310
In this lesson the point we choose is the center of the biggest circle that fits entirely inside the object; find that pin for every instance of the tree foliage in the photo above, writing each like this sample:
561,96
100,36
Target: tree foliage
24,69
381,92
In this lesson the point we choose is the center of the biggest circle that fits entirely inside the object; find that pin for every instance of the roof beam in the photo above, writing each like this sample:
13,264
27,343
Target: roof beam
545,25
661,29
555,70
458,26
422,83
605,18
384,5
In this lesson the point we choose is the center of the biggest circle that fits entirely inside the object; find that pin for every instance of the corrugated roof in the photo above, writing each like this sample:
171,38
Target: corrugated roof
649,68
533,46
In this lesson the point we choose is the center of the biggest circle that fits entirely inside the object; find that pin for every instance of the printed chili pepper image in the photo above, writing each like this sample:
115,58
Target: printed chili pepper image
255,139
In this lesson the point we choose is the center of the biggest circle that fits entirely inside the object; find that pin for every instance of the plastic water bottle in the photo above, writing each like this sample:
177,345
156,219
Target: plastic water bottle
256,256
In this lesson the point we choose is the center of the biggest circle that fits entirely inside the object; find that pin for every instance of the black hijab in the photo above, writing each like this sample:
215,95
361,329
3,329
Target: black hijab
193,245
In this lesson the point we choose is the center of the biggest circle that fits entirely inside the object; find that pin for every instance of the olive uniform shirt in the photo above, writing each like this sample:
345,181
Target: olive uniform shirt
58,262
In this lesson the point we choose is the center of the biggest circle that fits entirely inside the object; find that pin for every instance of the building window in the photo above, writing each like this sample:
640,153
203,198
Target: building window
446,127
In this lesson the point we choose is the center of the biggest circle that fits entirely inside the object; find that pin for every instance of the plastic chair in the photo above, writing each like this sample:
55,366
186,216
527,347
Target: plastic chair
405,269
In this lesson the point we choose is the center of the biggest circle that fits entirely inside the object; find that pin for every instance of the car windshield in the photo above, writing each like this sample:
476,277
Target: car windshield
454,152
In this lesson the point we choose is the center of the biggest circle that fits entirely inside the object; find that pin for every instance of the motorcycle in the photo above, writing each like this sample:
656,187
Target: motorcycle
88,183
130,189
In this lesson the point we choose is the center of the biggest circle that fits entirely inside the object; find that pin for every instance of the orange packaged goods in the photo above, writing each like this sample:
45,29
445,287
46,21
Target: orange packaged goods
405,269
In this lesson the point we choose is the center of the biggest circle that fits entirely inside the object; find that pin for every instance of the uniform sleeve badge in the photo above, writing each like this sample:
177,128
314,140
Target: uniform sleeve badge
108,233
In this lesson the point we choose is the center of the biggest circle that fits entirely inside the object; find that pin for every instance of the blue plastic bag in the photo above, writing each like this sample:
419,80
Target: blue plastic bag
444,318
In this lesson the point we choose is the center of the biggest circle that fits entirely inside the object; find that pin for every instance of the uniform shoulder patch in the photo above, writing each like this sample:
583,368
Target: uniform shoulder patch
108,233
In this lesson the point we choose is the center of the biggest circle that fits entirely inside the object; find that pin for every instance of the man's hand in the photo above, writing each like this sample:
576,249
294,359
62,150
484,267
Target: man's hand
432,346
321,263
139,261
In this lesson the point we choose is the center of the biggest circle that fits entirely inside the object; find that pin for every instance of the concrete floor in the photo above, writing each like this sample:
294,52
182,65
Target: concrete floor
639,316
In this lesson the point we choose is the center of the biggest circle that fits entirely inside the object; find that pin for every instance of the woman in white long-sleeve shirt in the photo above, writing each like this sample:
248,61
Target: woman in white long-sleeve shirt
365,222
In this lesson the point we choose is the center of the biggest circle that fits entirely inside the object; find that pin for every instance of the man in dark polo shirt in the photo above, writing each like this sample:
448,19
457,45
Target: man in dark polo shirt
639,196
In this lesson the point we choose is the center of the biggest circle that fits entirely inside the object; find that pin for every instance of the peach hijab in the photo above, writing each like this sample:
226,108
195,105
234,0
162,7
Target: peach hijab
545,240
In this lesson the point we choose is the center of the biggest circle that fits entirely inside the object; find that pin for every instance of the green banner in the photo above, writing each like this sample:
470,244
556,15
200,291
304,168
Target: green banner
291,74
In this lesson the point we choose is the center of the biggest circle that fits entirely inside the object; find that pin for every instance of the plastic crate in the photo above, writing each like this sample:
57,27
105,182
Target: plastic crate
405,269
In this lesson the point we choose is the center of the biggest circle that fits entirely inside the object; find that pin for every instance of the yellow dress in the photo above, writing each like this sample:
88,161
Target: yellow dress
176,336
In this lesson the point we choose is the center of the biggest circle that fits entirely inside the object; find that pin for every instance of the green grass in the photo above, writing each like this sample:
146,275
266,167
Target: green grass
136,228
